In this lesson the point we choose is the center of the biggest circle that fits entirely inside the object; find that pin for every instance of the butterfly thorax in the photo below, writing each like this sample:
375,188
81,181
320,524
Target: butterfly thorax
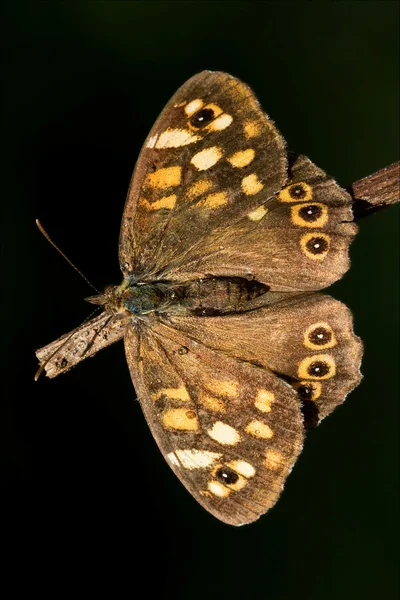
203,297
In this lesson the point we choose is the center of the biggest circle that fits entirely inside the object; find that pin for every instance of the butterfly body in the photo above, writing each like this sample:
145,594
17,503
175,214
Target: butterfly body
224,243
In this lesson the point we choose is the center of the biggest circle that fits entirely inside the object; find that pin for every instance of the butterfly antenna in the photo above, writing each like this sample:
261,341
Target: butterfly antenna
43,366
48,238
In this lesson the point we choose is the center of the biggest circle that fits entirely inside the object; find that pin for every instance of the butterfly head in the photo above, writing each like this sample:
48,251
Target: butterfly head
134,299
111,299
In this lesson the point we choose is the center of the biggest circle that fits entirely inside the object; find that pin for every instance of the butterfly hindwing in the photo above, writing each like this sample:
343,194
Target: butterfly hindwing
307,340
206,162
231,431
297,240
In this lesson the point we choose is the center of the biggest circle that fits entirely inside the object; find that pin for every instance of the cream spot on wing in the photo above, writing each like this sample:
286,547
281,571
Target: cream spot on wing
240,483
223,388
172,459
211,403
273,459
264,400
242,158
179,393
196,459
152,141
220,123
217,110
319,366
213,200
165,178
206,158
175,138
181,419
251,129
165,202
258,214
242,467
251,185
224,434
193,106
218,489
206,493
259,429
198,188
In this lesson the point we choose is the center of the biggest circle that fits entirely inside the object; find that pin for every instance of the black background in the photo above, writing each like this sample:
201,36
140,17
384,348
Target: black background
93,500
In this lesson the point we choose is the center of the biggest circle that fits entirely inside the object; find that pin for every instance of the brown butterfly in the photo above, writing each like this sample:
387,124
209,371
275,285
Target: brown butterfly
224,242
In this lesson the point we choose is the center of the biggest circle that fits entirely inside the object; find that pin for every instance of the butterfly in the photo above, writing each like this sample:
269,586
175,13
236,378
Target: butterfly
226,241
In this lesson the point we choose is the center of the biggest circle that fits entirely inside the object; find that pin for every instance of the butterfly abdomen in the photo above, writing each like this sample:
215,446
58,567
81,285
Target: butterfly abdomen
207,297
203,297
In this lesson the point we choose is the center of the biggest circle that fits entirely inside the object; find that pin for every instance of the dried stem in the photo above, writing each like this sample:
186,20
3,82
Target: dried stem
375,191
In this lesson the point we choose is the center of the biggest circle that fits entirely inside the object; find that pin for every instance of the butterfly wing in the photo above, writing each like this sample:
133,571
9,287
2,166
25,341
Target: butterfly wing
297,240
307,340
212,194
190,173
231,431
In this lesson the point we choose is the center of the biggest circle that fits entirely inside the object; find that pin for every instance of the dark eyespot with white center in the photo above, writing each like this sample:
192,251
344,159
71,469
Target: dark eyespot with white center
226,475
310,213
320,336
317,245
202,118
297,191
318,368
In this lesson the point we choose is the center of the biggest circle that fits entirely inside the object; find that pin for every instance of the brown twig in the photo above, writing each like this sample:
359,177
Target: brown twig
375,191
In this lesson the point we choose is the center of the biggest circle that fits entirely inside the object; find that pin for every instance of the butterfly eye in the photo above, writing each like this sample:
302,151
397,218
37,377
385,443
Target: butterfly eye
226,475
202,118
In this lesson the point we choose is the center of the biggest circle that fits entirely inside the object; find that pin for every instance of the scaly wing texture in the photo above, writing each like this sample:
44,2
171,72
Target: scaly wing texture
231,431
307,340
212,195
297,240
204,164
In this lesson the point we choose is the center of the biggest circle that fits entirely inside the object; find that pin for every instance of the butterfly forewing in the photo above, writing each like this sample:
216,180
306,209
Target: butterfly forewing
208,160
230,430
306,340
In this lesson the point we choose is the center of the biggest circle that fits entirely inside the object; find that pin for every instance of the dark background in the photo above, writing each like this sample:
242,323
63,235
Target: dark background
92,497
